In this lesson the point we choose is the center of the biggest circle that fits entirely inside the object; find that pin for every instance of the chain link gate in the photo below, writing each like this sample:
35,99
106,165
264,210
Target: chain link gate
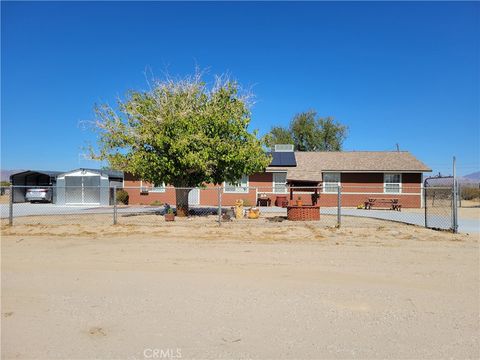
439,198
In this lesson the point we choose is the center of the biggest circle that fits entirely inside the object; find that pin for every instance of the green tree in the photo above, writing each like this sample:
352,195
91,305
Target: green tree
183,133
309,132
278,135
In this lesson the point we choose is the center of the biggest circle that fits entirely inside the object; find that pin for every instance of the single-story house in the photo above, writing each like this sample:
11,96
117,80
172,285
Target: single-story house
360,174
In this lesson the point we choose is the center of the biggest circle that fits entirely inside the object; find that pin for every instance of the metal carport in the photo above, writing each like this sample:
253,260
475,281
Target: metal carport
22,180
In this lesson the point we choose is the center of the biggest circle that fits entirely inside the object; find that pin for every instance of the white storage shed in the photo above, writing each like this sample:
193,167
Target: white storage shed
87,186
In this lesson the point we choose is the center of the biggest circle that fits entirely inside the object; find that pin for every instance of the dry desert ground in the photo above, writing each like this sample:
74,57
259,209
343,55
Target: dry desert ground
248,289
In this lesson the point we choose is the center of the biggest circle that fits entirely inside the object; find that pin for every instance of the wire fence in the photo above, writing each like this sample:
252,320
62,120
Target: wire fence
328,205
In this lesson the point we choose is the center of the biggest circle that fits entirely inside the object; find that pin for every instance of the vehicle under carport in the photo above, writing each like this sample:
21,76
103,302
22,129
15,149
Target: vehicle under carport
32,178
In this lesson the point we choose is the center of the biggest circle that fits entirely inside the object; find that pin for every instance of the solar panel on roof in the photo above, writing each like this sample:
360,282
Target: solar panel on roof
283,159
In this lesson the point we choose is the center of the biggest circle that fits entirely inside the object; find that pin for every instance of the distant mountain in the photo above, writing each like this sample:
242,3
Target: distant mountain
5,174
473,176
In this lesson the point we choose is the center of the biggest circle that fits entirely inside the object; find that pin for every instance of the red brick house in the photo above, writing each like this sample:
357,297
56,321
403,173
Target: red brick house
360,174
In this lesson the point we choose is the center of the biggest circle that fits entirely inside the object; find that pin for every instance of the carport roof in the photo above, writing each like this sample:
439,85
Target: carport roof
31,172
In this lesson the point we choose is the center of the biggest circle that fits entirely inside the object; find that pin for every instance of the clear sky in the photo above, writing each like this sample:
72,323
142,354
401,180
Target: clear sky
405,73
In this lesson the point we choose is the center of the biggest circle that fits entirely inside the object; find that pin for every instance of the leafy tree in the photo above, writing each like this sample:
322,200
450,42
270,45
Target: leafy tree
308,132
279,135
183,133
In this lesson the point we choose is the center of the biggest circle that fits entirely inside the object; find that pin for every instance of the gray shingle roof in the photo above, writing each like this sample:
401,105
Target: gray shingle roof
310,165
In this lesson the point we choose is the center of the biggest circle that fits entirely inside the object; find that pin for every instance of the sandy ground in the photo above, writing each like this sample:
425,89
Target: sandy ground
470,209
265,290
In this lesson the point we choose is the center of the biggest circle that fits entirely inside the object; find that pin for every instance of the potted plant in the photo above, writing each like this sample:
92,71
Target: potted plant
299,201
170,215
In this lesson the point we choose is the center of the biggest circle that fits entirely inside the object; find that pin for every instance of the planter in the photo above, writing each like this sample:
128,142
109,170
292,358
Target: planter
303,213
253,213
169,217
299,203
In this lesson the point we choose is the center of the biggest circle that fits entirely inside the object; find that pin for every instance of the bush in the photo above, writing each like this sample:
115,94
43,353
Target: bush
246,203
470,193
122,197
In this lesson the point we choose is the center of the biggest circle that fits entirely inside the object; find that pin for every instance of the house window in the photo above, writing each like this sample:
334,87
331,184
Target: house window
331,182
145,188
392,183
280,182
158,188
241,186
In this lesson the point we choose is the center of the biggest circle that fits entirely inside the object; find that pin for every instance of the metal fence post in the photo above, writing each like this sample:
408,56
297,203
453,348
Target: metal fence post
339,206
425,202
10,207
454,200
219,189
115,205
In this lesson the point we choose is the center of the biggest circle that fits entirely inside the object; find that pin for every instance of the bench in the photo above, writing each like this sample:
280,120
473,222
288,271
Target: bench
392,204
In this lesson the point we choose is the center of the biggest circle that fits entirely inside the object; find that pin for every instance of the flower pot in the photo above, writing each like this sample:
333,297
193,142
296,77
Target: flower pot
169,217
253,213
299,203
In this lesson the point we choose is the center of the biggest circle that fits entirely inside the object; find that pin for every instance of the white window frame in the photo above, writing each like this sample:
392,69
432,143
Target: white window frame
238,189
326,184
276,184
143,189
158,189
392,183
153,189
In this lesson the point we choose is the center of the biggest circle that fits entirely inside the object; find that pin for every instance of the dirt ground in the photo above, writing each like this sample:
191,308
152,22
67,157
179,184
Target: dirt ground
470,209
247,289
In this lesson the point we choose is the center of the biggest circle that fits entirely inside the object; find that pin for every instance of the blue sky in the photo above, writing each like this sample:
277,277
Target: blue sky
405,73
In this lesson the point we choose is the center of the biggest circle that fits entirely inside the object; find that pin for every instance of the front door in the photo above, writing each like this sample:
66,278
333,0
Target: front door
194,197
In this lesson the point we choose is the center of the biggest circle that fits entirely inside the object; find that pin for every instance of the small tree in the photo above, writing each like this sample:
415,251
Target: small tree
181,133
308,132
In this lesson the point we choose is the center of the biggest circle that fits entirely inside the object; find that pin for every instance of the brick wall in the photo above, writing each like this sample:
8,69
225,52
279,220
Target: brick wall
356,188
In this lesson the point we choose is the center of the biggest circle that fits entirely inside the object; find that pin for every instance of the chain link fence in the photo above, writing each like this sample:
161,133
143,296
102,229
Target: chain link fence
439,203
429,205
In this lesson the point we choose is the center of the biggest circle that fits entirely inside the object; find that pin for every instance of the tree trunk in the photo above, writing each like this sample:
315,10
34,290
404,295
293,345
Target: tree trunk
182,201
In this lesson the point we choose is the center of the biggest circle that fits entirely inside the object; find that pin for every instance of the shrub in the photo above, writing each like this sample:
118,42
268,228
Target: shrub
470,193
246,203
156,203
122,197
